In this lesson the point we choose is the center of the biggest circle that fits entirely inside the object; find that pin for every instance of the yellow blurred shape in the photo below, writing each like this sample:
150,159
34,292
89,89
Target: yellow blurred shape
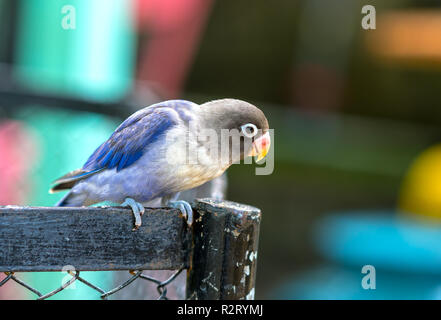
421,190
412,35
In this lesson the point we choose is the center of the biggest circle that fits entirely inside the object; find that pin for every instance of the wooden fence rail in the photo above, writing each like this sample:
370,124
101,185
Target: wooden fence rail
219,251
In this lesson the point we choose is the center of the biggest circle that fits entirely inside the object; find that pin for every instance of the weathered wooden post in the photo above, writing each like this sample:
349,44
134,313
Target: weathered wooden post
224,253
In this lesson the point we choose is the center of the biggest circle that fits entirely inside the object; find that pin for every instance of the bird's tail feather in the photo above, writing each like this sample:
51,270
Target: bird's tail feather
71,200
64,201
71,178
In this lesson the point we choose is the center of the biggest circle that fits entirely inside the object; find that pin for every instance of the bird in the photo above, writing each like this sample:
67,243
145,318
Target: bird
147,158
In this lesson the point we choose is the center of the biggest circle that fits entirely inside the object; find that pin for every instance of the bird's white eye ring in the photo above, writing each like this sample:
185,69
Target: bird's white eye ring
249,130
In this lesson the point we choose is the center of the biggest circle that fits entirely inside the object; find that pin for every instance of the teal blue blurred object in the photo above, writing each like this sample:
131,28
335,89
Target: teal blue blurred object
383,239
333,282
93,61
60,152
405,253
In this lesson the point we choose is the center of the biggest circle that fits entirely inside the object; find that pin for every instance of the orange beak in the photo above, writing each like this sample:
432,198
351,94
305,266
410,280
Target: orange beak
261,146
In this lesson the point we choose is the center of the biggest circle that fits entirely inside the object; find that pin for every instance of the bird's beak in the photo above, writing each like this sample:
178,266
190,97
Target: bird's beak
261,146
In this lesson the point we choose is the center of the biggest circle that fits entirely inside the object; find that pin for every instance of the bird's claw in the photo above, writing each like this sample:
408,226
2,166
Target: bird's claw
185,209
137,209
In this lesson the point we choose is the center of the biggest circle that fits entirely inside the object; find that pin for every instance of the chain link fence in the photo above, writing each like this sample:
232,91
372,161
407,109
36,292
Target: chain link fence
161,286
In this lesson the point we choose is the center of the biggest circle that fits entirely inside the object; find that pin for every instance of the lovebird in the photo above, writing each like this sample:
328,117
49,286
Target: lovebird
164,149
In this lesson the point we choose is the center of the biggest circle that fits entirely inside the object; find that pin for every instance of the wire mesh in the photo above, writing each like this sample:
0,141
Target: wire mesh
161,286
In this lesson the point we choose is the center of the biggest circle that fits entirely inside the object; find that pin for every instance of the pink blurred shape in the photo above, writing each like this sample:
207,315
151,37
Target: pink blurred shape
17,155
174,28
16,159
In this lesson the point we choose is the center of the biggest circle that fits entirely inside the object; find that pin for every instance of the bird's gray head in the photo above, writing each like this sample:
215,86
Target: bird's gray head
248,121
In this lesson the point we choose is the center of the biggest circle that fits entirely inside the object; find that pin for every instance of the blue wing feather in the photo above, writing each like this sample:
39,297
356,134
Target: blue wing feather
136,133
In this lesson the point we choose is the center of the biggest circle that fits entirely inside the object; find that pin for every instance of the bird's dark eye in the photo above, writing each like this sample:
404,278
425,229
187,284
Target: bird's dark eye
249,130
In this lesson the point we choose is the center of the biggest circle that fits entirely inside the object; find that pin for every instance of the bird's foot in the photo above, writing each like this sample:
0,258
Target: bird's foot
137,209
185,209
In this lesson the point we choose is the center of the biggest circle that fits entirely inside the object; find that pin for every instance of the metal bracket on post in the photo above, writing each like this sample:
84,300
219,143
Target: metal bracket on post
224,256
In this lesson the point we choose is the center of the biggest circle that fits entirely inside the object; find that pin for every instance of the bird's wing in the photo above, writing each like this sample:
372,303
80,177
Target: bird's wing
129,141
